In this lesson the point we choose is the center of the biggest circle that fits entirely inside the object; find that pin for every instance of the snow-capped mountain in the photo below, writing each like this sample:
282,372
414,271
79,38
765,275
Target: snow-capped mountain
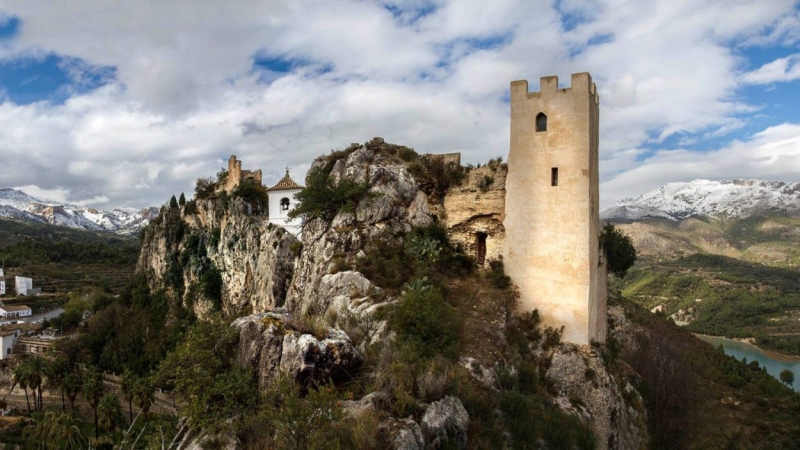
16,204
736,199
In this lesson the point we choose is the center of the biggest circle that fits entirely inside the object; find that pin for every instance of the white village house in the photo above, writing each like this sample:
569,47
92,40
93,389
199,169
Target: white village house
7,340
12,311
2,283
25,286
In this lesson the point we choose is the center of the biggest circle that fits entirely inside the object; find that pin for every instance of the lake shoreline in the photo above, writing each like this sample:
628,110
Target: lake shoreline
750,341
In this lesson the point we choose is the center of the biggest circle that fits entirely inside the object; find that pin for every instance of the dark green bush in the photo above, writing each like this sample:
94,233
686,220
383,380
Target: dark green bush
211,285
407,154
435,176
323,198
204,188
191,207
253,193
296,248
619,250
497,275
425,321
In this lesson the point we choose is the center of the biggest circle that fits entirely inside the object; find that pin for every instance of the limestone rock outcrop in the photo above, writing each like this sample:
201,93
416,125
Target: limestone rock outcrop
445,424
395,203
586,389
270,346
403,434
253,257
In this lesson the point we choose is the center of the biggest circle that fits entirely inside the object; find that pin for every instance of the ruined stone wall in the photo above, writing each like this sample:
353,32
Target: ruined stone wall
551,249
236,175
478,206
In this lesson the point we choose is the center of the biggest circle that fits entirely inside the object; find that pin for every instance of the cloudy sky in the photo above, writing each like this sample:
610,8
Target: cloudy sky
110,105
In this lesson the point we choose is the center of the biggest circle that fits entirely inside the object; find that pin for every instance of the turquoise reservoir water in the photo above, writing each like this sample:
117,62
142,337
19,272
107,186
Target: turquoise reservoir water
741,350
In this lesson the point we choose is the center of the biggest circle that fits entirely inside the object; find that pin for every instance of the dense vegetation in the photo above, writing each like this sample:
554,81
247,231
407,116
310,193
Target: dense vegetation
324,198
439,286
729,297
24,243
61,259
619,250
698,397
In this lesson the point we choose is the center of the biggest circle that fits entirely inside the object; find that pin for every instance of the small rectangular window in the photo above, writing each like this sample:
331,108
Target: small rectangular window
554,176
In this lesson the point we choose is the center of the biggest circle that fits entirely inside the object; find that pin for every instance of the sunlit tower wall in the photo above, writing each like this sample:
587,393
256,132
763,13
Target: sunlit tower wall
552,207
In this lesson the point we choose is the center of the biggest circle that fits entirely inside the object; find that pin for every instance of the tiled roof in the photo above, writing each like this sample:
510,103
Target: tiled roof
286,183
15,308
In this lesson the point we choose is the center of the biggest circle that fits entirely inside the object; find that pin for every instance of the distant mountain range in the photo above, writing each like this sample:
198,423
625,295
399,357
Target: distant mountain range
18,205
737,199
750,220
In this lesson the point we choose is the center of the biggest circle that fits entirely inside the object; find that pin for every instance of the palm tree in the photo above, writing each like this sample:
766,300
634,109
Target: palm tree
144,395
65,433
110,415
128,388
39,430
36,371
93,388
72,386
55,372
21,380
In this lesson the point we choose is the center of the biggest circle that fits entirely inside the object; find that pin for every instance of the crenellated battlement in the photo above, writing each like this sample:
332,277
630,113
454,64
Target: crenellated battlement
580,83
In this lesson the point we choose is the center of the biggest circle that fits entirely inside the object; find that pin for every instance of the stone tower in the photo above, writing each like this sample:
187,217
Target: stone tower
552,206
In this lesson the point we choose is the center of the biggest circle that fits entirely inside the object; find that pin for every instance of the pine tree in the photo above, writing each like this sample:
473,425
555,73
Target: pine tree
182,200
787,377
173,203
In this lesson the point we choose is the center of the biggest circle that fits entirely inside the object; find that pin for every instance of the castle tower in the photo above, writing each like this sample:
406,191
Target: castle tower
552,216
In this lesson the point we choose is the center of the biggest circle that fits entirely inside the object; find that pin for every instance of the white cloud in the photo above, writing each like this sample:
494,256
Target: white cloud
773,154
186,94
781,69
54,195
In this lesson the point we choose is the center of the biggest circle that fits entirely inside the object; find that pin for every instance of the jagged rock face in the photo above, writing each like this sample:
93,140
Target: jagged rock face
477,207
160,243
396,205
270,347
253,256
579,373
261,344
445,424
310,359
403,434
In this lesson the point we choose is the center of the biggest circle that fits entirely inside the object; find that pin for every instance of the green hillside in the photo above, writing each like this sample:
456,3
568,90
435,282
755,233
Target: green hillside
62,259
722,296
771,239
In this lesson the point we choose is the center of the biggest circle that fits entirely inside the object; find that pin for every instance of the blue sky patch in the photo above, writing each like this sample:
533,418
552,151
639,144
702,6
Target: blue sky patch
53,78
411,15
9,27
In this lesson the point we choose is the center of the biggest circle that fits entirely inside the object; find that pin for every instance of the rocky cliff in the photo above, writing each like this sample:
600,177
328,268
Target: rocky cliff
394,204
215,256
313,310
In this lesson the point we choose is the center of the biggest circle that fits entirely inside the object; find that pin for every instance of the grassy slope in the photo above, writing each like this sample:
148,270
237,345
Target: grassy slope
729,297
741,277
699,398
62,259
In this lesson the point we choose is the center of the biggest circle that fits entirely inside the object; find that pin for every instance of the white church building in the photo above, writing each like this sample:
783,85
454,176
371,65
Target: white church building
281,201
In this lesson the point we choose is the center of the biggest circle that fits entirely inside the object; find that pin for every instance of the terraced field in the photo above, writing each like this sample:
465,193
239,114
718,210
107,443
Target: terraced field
61,259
